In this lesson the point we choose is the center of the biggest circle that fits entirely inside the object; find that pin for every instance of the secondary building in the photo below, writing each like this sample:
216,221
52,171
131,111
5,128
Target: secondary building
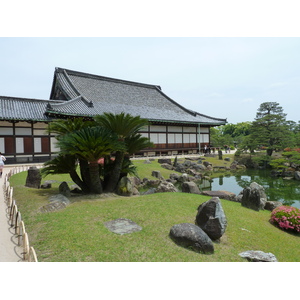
173,128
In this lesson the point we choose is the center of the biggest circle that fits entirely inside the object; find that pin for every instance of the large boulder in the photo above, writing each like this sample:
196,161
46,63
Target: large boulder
254,197
34,178
125,187
166,186
271,205
64,189
193,237
297,175
190,187
211,218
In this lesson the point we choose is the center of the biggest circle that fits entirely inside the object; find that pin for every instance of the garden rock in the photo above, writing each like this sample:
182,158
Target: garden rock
151,183
150,191
180,168
59,198
34,177
254,197
199,167
211,218
122,226
57,202
206,164
187,163
135,180
166,186
46,185
64,189
190,187
164,161
174,176
258,256
193,237
221,194
125,187
157,174
297,175
184,177
167,166
270,205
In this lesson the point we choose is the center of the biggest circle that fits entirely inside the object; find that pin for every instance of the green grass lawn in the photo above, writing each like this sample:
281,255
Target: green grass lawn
77,233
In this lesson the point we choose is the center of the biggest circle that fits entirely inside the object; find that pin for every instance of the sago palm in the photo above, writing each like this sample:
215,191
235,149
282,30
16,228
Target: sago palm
60,127
124,126
90,144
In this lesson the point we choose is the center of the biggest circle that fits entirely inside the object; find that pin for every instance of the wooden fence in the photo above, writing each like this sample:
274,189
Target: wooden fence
15,219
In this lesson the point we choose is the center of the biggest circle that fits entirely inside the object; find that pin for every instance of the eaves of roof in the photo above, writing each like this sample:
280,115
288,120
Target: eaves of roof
23,109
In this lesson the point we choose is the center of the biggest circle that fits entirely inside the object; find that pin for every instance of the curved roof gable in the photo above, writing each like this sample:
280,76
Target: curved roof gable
104,94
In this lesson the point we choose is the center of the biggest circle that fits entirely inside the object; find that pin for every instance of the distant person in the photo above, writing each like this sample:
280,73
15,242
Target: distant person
2,160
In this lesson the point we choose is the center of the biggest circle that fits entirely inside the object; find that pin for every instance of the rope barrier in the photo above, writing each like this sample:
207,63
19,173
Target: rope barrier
15,219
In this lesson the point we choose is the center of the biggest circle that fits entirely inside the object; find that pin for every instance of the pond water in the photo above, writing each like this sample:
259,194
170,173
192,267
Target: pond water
277,189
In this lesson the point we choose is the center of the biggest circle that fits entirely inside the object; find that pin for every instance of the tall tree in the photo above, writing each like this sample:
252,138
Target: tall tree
270,128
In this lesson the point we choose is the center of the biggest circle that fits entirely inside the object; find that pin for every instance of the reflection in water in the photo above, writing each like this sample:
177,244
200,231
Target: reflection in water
277,189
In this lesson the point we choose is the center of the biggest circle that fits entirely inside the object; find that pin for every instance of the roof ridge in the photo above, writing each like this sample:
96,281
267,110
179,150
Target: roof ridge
94,76
80,97
28,99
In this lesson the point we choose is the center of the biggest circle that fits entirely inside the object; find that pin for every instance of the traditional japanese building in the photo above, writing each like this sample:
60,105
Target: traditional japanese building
173,128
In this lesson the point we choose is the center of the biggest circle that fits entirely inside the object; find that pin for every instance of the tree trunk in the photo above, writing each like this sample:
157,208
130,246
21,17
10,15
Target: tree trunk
85,173
115,174
269,152
96,186
74,176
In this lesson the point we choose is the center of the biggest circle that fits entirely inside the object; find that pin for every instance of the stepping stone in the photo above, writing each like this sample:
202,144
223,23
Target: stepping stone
122,226
258,256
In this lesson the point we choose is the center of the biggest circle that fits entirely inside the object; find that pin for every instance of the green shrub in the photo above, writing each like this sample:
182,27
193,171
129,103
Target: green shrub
286,217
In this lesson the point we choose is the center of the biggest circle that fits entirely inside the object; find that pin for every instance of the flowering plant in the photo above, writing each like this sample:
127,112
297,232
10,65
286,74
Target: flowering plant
286,217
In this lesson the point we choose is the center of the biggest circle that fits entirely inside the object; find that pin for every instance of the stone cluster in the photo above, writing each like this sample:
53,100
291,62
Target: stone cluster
210,225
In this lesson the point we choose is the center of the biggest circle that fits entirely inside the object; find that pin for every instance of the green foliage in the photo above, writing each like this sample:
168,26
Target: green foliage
293,157
230,134
124,125
270,128
88,141
278,163
62,164
262,160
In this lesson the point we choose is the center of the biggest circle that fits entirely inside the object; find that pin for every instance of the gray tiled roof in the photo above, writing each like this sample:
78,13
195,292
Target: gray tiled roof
116,96
12,108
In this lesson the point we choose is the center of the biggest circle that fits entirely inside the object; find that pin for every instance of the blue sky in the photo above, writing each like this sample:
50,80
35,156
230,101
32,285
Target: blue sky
226,77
